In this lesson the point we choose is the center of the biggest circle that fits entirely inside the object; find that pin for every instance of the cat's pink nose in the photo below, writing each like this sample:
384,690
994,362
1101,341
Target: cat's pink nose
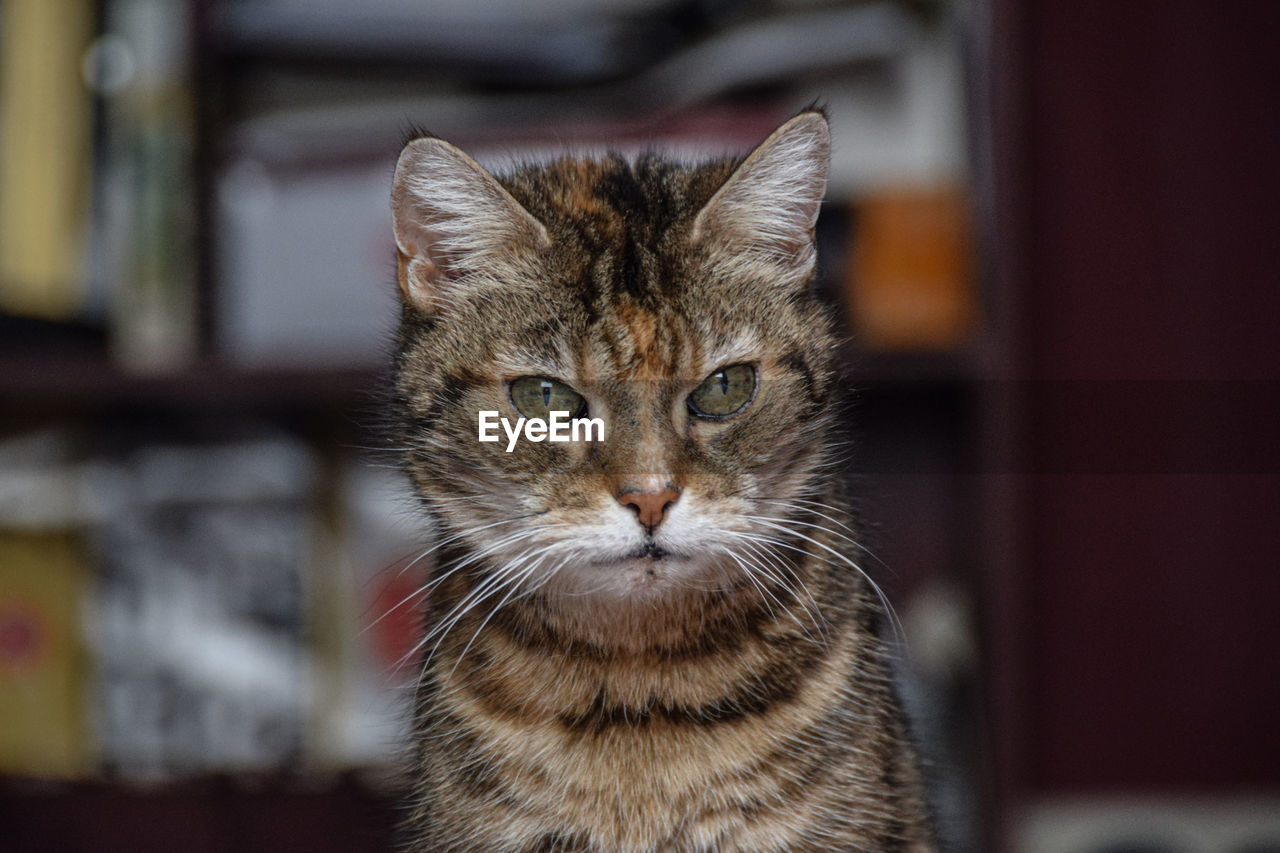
650,507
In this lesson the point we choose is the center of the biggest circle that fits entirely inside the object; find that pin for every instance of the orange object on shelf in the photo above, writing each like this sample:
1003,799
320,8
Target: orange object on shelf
910,283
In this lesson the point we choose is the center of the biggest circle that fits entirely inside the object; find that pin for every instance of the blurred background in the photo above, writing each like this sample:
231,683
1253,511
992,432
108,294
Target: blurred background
1051,240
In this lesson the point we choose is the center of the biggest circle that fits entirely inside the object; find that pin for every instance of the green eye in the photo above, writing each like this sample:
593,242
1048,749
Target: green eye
538,397
725,392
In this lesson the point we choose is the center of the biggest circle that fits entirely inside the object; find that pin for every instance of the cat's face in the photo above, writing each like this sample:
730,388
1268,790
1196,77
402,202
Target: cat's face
669,303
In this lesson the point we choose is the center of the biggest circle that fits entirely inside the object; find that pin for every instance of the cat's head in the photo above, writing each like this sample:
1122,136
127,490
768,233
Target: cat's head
671,303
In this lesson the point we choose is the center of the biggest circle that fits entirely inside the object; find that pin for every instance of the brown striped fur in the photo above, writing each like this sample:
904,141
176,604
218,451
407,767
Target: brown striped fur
724,690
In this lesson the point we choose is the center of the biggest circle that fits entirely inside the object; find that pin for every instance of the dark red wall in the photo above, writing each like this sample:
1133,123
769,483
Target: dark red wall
1137,151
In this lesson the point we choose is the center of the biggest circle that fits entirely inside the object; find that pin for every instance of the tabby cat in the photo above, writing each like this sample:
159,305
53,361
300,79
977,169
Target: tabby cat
661,640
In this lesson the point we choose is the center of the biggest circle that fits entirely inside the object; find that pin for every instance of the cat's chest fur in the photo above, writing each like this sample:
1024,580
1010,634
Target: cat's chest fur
743,748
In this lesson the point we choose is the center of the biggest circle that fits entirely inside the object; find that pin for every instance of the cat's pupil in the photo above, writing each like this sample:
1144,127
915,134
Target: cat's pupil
724,382
546,393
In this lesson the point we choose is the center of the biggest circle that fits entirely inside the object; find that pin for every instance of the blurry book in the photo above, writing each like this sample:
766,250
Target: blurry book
306,264
145,211
200,613
43,583
369,621
45,127
911,280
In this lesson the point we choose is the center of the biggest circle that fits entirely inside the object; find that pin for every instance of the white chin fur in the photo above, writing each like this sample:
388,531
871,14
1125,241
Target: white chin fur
629,577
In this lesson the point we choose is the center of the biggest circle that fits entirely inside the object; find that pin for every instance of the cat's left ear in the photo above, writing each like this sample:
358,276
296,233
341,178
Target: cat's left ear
769,205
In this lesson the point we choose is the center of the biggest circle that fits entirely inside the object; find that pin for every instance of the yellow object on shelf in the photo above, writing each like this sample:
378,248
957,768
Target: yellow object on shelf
45,123
911,280
43,730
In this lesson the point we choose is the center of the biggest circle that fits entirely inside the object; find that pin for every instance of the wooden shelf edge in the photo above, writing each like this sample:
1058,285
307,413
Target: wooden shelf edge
78,379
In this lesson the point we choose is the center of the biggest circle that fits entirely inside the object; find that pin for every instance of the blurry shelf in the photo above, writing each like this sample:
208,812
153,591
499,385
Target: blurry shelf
210,816
664,48
511,49
861,366
755,55
83,379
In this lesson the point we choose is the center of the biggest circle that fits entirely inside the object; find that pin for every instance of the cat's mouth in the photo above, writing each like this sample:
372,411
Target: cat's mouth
650,550
646,568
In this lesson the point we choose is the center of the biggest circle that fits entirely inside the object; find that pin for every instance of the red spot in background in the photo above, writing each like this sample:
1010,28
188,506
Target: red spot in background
397,607
23,636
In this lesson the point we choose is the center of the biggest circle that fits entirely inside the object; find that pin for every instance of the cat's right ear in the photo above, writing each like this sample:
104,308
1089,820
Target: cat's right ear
452,219
768,207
